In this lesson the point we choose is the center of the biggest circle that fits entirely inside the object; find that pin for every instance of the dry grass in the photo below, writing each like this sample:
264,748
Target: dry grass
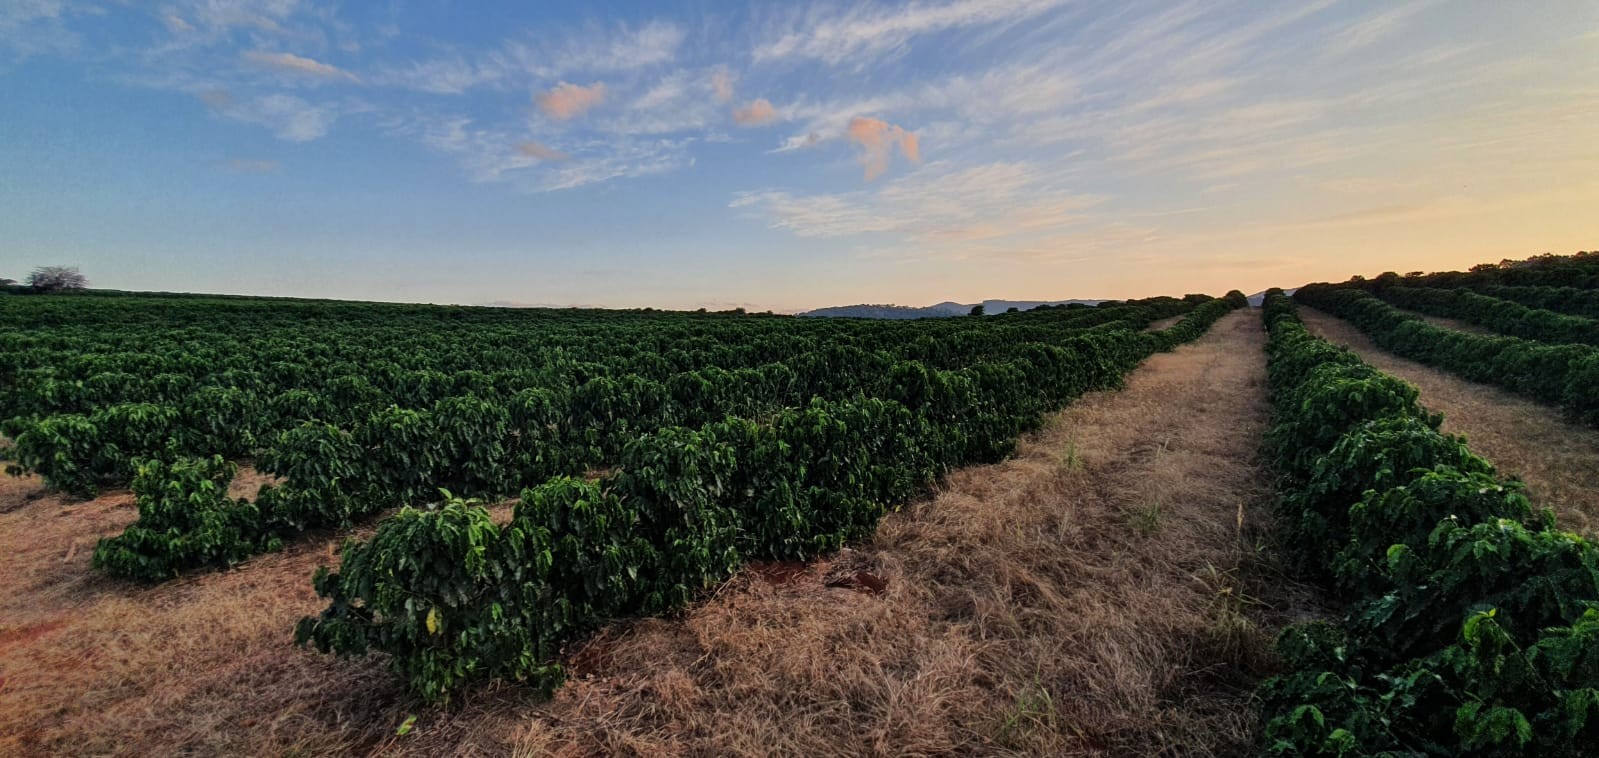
205,664
1092,596
1558,460
1165,323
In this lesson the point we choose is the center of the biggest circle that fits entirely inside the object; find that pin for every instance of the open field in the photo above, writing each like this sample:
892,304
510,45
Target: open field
1101,590
811,378
1143,528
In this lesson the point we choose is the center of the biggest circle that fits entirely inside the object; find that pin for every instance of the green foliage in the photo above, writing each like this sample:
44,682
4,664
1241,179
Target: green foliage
1471,623
1374,455
449,595
705,439
323,466
1502,316
1552,373
66,450
186,520
1572,301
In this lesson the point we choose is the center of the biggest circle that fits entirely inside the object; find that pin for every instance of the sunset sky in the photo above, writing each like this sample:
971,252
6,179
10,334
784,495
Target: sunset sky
789,155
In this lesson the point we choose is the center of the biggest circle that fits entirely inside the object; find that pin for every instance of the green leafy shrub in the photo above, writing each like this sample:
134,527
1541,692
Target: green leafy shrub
448,595
186,520
325,483
66,451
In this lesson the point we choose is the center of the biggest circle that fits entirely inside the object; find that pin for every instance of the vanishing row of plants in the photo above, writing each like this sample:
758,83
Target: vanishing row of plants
1571,301
1565,375
1501,316
151,351
1470,623
484,444
451,596
82,417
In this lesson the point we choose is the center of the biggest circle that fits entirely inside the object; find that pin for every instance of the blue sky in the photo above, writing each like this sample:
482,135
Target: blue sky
788,155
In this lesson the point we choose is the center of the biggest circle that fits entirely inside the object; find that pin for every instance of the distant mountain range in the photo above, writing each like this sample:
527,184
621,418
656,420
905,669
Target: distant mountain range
941,310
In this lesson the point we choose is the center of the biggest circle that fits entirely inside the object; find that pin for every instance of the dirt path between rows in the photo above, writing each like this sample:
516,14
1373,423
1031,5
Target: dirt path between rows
1165,323
1098,594
1558,460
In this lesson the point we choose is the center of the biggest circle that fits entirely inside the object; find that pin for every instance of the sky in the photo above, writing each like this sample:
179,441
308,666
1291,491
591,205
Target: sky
789,155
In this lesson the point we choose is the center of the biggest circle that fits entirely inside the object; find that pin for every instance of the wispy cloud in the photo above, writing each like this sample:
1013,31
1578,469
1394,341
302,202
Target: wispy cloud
265,15
592,50
758,112
35,27
939,205
439,76
289,117
298,66
1053,129
603,162
834,35
541,151
1369,31
721,84
567,101
494,154
679,102
877,140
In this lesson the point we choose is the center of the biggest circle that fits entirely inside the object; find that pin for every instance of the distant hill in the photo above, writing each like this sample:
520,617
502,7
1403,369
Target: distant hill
941,310
1258,298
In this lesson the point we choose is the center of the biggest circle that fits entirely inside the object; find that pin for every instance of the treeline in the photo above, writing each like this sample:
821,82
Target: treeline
1566,375
1579,270
452,596
1471,624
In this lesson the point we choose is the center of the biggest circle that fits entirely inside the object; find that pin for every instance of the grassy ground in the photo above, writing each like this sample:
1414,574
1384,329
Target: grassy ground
1558,460
1102,593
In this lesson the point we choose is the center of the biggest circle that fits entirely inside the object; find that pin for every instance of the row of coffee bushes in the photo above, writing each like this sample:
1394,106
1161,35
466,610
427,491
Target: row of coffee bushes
1471,624
79,367
1568,300
1501,316
451,596
487,446
1567,375
84,433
